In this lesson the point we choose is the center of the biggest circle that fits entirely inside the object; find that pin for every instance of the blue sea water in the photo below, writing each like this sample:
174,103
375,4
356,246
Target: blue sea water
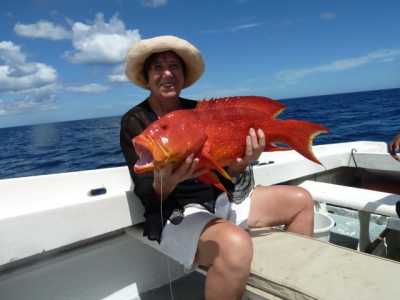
92,144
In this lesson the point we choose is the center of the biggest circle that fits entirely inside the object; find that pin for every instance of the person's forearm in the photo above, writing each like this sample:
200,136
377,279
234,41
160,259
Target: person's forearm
163,190
235,172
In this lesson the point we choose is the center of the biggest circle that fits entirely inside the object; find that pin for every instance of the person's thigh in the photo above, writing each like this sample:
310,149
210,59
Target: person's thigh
180,241
277,205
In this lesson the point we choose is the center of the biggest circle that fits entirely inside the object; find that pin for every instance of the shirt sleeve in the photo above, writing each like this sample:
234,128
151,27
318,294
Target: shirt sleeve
132,126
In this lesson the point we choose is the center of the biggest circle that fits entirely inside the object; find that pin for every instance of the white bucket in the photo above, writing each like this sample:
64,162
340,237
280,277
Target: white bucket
322,226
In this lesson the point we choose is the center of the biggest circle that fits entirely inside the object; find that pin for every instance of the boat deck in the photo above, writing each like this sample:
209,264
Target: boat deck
52,229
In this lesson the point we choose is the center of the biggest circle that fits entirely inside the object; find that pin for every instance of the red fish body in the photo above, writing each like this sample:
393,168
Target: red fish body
216,132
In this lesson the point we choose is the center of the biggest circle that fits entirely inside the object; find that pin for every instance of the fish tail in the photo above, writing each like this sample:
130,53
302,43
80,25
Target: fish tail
298,135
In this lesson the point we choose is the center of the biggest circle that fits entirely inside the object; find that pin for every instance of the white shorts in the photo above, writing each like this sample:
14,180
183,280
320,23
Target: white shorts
180,241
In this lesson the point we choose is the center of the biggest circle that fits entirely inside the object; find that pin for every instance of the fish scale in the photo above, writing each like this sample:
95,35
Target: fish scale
216,132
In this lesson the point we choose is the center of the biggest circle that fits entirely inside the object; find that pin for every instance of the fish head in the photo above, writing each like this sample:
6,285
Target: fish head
168,140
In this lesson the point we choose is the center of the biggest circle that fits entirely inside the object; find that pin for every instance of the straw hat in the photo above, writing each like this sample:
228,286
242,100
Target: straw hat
141,50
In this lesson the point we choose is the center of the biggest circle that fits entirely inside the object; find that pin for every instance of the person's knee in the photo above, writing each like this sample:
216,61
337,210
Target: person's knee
304,198
236,251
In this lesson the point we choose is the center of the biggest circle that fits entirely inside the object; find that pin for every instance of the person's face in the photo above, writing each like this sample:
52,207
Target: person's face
166,75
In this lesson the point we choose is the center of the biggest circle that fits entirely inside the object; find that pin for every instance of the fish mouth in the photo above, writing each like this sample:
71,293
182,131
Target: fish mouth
145,162
150,152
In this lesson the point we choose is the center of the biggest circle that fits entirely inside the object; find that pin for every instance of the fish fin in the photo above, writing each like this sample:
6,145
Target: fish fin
272,147
213,179
270,108
216,166
298,135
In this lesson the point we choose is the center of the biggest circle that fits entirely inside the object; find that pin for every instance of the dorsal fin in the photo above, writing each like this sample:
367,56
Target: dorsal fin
265,105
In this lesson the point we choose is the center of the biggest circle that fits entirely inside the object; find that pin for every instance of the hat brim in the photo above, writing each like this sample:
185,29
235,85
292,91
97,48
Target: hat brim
140,51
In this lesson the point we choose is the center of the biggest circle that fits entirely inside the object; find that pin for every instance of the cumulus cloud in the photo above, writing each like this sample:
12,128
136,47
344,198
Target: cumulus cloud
26,104
43,30
18,74
154,3
379,56
101,42
118,74
43,98
327,16
16,106
88,88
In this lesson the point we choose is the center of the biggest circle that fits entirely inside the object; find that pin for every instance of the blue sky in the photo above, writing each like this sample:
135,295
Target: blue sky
63,60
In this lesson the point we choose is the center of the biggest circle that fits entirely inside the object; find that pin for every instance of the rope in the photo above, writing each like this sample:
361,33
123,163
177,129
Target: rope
171,293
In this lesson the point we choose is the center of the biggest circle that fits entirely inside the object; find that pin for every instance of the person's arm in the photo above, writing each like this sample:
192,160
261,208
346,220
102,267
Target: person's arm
394,146
152,187
131,126
241,170
255,144
167,178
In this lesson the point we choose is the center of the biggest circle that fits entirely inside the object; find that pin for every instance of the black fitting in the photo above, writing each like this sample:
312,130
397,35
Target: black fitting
176,216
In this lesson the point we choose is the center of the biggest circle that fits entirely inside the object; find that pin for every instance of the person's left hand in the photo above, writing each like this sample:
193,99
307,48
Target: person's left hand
255,144
394,147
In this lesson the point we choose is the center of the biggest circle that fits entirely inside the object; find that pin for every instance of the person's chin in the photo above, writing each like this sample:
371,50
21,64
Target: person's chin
172,93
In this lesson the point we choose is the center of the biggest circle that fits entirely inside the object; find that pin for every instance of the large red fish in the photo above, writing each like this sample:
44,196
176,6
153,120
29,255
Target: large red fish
216,132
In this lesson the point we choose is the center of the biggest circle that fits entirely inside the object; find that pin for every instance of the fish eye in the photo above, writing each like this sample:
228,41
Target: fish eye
164,126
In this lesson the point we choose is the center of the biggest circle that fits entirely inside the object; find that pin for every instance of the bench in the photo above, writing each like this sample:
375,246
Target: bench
291,266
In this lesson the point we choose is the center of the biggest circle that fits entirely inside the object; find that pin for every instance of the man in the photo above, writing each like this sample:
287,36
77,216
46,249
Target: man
394,147
213,232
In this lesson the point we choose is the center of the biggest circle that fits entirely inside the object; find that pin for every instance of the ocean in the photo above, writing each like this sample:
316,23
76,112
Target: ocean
94,143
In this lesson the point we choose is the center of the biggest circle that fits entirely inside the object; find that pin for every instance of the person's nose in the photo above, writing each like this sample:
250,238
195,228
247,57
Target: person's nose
167,73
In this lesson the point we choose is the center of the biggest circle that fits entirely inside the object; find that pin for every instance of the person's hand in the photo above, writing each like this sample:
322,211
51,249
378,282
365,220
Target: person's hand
394,147
167,177
255,144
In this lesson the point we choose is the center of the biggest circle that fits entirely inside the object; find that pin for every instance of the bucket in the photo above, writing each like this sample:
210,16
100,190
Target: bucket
322,226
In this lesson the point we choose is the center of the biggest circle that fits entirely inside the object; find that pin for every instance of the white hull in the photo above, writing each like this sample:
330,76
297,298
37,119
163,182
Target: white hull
58,242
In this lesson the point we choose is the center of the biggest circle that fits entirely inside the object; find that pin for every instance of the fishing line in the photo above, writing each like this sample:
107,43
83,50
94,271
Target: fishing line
171,293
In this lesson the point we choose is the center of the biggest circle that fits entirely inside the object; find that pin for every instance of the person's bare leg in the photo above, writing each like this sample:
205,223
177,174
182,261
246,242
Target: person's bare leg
282,205
227,250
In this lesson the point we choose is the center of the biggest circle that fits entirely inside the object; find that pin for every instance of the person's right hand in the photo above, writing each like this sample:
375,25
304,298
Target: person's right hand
167,177
394,147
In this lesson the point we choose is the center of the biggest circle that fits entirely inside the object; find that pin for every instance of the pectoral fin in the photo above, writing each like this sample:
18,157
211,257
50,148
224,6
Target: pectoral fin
214,165
213,179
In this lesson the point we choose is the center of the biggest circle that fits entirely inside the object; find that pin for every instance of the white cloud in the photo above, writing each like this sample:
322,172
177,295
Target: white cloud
42,90
43,30
18,74
154,3
379,56
16,106
327,16
33,100
118,78
11,53
88,88
233,28
101,42
118,74
246,26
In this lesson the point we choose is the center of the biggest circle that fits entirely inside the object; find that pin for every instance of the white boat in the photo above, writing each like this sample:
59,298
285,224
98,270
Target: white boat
77,235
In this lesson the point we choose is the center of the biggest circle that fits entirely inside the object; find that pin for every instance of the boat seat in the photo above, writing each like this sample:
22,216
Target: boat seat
291,266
